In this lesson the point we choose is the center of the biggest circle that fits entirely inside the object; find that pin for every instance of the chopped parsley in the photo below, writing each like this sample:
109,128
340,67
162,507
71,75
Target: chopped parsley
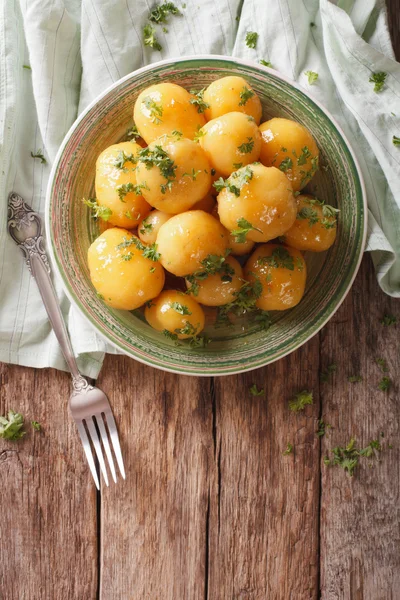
238,165
251,39
133,133
396,140
312,77
129,215
122,158
243,229
199,341
325,375
177,134
199,101
245,95
155,110
265,63
304,156
199,134
245,299
322,427
385,384
160,13
388,320
280,258
158,157
180,308
300,401
211,265
348,457
286,164
193,174
147,251
187,329
11,426
98,212
36,426
169,335
246,147
150,38
254,391
146,227
329,211
354,378
378,79
126,188
382,364
235,182
289,449
39,154
308,213
27,67
262,318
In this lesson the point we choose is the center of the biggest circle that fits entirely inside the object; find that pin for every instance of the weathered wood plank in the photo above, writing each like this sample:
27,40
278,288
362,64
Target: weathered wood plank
264,505
154,525
48,529
360,517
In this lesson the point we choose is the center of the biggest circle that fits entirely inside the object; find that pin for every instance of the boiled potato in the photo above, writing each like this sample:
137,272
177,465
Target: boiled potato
122,275
231,141
207,203
176,313
236,246
174,172
148,228
230,94
189,238
290,147
315,226
282,272
164,108
116,185
220,288
259,199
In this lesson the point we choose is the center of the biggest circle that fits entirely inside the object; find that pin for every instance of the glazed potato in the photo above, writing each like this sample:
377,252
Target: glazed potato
282,272
163,108
290,147
231,141
207,203
262,197
174,174
116,183
123,276
315,226
235,245
230,94
176,313
187,239
220,288
148,228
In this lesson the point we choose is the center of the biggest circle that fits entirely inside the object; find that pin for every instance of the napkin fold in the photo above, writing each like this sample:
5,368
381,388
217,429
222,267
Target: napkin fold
56,56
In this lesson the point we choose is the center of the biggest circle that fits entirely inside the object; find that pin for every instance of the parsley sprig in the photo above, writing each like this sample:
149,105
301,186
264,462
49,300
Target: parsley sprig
235,182
180,308
300,401
251,39
306,212
246,147
126,188
160,13
155,110
11,426
39,154
312,77
122,158
348,457
378,79
245,95
150,38
98,212
147,251
254,391
280,258
199,101
244,227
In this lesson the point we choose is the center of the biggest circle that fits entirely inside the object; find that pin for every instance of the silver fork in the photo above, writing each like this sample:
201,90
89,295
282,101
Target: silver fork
88,403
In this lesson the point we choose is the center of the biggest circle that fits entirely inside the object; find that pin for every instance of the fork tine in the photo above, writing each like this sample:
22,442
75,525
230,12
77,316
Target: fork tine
115,440
106,444
88,451
97,447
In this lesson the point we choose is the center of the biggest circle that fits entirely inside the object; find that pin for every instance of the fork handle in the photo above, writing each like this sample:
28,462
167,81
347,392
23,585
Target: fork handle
51,303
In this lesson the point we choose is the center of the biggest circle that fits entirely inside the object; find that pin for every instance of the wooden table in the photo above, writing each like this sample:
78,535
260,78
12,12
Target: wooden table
211,508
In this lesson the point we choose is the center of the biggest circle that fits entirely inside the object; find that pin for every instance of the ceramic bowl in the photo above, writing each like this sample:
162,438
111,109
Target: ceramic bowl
71,229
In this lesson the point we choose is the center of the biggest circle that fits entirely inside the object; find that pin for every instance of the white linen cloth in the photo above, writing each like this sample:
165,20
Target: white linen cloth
77,48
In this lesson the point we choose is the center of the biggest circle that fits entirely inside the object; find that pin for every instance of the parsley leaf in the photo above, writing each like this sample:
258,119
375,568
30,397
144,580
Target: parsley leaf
280,258
322,426
180,308
245,95
305,154
308,213
266,63
245,299
170,335
193,174
155,110
150,38
354,378
244,228
127,188
289,450
39,154
378,79
147,251
199,101
300,401
122,158
36,425
98,212
286,164
160,13
348,457
312,77
246,147
254,391
251,39
325,375
199,134
158,157
235,182
133,133
11,426
381,362
146,227
396,140
384,384
388,320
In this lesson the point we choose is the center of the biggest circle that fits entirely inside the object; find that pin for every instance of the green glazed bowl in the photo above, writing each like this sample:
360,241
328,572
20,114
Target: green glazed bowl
71,230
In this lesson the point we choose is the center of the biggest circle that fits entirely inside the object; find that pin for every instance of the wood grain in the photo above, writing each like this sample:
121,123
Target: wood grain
154,526
360,516
48,530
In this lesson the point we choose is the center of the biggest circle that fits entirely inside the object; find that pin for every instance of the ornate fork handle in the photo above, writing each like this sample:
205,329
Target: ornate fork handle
25,227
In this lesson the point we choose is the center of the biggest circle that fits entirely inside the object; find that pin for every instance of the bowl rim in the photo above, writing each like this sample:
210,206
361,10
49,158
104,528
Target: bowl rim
168,62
